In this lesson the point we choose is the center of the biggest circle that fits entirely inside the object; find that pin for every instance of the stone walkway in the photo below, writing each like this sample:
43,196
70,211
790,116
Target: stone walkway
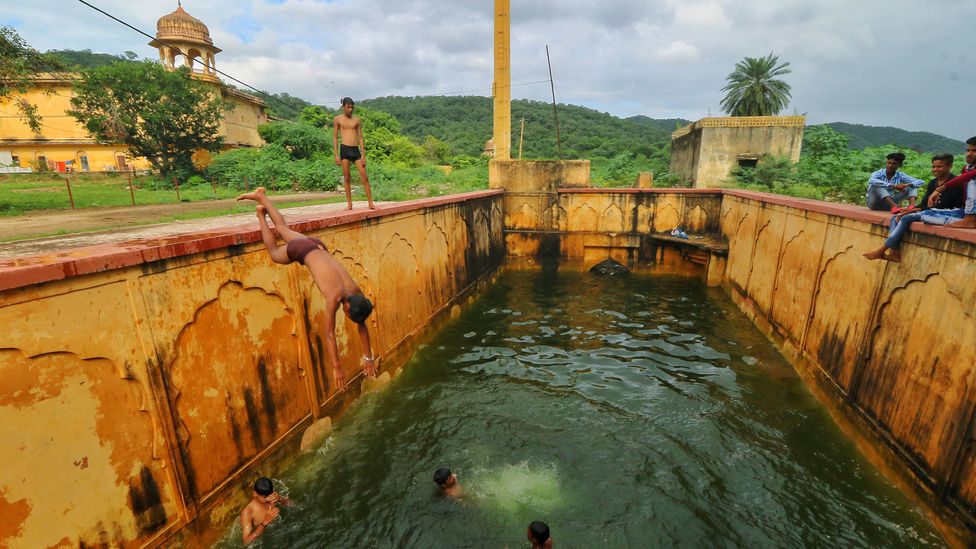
123,233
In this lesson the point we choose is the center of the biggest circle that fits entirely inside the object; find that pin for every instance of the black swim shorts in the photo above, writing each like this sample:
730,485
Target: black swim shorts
349,152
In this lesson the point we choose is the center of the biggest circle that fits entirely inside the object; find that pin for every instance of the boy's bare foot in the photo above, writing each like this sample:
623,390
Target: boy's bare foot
349,207
876,254
258,194
894,255
968,222
372,206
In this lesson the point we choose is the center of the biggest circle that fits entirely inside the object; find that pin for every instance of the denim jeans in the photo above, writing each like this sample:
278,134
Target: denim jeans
876,197
971,197
898,228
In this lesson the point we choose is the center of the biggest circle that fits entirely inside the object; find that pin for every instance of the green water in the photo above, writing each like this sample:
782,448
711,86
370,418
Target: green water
643,412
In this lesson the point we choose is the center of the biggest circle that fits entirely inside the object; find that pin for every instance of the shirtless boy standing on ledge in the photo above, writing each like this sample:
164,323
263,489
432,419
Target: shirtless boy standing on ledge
337,287
352,148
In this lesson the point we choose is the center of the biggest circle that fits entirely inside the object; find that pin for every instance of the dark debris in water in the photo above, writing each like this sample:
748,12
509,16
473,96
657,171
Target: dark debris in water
609,267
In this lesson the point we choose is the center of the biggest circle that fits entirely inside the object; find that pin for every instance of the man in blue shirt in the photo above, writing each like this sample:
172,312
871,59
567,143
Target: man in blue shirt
950,199
888,186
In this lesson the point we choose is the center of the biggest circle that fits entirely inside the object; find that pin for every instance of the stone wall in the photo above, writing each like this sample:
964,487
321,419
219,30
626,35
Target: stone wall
892,345
146,385
706,151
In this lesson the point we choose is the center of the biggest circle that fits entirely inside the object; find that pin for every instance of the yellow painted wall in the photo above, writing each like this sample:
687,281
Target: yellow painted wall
590,225
61,137
891,344
138,400
240,124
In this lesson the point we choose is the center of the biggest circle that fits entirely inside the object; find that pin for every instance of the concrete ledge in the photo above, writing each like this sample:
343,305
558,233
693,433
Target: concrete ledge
709,242
634,190
46,267
848,211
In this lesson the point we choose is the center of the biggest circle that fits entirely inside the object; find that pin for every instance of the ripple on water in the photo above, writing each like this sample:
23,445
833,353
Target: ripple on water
642,412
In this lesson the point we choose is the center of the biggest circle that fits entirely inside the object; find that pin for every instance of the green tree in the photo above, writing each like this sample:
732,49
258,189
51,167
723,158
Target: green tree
753,89
163,116
299,139
19,65
436,150
317,116
822,141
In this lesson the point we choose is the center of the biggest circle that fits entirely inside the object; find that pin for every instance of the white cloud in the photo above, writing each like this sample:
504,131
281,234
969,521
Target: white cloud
678,51
874,62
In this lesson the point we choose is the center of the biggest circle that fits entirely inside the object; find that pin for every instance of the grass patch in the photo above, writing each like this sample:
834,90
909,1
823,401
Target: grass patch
22,193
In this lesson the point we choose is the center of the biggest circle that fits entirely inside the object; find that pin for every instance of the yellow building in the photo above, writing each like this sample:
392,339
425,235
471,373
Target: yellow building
706,151
63,144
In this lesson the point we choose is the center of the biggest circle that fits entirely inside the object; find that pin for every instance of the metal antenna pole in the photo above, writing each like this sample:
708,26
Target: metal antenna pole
552,86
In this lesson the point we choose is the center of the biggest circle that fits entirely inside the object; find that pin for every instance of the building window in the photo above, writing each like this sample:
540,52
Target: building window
15,160
84,163
42,163
748,162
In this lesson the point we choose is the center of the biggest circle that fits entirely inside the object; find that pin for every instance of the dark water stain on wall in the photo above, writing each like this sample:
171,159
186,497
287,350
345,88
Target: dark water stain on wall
831,353
267,398
253,418
235,428
147,505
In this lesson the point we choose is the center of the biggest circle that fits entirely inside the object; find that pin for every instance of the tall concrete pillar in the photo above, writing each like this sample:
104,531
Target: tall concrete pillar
502,133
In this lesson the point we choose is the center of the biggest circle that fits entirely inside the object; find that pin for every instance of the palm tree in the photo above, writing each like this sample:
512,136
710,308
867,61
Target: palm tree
754,90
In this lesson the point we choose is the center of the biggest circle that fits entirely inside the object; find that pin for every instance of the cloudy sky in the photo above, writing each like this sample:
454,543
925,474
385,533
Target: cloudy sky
896,63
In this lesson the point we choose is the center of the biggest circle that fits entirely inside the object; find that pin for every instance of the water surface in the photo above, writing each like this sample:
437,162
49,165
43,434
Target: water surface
636,412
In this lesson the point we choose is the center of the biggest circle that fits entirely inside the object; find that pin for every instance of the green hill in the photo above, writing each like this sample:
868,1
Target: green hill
666,124
85,59
860,136
465,122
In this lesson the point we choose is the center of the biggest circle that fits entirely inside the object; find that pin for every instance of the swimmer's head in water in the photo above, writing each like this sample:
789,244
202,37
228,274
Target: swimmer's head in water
358,308
263,487
538,532
444,478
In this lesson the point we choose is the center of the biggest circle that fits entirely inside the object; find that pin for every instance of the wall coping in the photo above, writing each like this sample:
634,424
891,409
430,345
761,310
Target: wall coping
635,190
846,211
46,267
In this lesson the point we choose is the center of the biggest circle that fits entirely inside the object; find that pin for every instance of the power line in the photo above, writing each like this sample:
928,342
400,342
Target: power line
297,110
218,71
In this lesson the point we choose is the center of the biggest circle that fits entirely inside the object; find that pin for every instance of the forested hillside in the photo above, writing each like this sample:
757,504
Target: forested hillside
465,123
860,137
85,59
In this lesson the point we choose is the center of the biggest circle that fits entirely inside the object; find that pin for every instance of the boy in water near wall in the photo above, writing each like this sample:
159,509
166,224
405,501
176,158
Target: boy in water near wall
352,148
261,511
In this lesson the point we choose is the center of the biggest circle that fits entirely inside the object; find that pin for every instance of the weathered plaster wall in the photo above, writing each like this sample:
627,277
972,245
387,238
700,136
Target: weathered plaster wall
721,147
146,385
706,151
891,343
685,145
550,214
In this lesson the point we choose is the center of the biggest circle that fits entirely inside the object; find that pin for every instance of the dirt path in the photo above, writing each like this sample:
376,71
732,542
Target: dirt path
44,223
120,224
